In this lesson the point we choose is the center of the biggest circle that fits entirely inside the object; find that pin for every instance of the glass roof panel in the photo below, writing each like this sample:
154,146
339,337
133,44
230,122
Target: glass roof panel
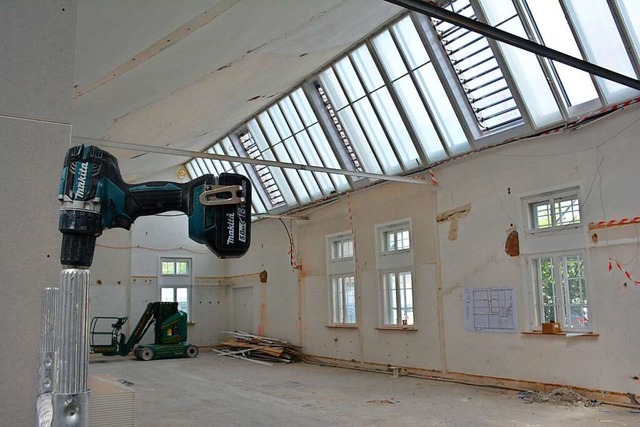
556,34
304,108
442,109
292,175
307,177
376,135
396,128
410,43
310,152
327,156
216,163
419,118
280,122
388,52
603,44
217,149
630,10
367,68
359,140
332,86
349,79
192,172
291,115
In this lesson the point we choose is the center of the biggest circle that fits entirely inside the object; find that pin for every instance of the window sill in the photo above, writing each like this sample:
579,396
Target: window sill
342,326
563,334
191,323
396,328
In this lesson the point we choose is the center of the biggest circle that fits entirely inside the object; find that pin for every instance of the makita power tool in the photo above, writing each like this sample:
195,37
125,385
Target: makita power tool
94,197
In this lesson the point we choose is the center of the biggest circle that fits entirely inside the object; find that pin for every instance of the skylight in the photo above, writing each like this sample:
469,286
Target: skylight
419,91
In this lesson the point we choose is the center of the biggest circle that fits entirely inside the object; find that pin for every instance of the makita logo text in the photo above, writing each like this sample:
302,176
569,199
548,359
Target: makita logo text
82,180
231,238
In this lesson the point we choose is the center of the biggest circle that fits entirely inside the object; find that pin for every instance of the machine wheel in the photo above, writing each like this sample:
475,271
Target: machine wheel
192,351
146,354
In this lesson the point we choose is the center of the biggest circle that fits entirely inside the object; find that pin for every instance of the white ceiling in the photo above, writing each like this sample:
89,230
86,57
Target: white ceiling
191,93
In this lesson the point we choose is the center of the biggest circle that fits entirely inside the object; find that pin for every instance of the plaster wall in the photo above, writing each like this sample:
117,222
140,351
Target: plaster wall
294,304
36,70
602,160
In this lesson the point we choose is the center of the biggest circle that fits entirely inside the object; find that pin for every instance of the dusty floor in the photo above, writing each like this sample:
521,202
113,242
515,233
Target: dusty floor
219,391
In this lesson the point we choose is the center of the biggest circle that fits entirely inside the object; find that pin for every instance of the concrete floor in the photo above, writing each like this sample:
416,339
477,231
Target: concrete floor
220,391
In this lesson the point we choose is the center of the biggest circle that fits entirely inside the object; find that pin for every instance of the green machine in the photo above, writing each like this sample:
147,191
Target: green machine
170,334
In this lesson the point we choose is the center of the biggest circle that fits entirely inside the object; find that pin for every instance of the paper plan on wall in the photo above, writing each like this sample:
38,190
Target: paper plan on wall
490,310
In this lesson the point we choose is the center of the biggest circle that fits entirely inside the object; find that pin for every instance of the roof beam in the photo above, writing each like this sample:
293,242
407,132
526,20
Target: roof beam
195,155
434,11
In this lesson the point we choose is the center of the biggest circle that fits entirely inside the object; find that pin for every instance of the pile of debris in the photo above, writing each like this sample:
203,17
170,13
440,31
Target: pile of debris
254,348
559,396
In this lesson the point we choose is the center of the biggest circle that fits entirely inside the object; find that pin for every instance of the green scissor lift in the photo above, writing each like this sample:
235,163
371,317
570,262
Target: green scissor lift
170,334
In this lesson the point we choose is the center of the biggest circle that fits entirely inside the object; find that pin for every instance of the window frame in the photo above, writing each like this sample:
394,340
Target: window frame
394,262
571,193
340,268
339,314
562,308
387,308
177,281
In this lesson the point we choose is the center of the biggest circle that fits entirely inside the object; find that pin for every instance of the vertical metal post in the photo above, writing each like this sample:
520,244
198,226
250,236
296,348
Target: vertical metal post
47,358
71,395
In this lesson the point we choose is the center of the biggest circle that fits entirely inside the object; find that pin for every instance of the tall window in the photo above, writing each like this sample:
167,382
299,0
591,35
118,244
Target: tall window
557,260
561,290
398,298
395,265
343,292
174,283
341,272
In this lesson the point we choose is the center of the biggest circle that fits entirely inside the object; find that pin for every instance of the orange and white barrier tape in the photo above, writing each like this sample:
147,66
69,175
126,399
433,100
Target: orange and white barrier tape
613,262
614,223
434,180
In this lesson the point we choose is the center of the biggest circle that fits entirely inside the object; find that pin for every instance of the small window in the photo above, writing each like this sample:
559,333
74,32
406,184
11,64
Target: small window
561,290
341,248
554,210
396,238
398,298
343,300
175,267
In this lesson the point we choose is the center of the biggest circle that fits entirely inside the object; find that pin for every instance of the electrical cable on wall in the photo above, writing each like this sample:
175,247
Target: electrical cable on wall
292,250
153,249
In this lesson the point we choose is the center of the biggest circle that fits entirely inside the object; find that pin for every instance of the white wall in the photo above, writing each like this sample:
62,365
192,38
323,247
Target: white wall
492,182
293,305
478,259
36,82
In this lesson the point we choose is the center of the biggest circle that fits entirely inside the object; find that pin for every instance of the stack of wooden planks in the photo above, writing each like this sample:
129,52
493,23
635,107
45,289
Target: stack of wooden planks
258,349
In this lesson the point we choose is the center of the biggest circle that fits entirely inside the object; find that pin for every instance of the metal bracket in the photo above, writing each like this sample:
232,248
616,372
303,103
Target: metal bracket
210,193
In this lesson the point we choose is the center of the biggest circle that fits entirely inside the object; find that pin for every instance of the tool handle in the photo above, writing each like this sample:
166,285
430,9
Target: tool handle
150,198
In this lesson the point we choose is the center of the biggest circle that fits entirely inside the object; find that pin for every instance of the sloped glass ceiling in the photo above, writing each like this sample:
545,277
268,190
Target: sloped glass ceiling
420,91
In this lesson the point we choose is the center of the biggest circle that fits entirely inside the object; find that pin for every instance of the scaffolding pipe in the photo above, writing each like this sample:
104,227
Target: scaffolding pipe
234,159
427,8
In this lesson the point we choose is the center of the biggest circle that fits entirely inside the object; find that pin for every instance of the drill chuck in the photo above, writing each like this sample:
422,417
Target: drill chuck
79,231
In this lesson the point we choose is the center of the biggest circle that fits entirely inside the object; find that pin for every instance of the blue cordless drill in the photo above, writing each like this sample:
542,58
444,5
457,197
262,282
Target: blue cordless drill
95,197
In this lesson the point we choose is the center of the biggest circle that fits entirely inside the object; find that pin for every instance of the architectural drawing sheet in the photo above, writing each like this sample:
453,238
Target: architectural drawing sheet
490,310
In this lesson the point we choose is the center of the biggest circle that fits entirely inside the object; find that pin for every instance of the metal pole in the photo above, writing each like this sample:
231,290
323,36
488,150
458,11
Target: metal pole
522,43
196,154
71,394
47,358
